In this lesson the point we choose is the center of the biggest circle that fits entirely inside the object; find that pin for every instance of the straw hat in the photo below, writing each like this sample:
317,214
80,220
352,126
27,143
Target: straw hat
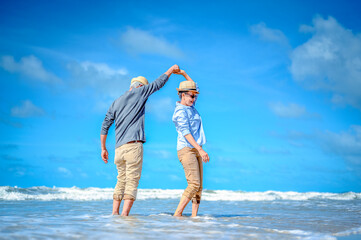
140,79
186,86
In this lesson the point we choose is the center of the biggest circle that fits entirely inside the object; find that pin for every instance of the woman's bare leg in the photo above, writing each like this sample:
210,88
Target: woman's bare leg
182,204
195,207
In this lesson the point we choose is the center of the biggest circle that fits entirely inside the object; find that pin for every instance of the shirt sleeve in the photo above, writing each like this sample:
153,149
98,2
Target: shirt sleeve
155,85
182,122
108,120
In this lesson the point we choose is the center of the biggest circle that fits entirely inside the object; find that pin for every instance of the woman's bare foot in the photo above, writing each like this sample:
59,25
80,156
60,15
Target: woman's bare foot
182,204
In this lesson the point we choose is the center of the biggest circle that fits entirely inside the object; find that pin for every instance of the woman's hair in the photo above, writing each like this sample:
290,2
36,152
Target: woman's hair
180,95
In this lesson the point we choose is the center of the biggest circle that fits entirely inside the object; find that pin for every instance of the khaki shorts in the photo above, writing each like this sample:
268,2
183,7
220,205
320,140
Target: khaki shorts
193,169
129,160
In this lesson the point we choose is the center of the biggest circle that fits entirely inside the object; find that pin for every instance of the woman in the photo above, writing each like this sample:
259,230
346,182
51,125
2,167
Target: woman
190,140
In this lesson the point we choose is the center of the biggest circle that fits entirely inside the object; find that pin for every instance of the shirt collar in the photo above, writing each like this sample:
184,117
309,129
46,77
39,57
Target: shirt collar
178,104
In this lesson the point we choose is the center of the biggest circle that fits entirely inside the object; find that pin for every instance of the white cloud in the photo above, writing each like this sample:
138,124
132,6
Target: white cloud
106,175
175,177
291,110
330,60
346,144
105,84
65,171
18,171
103,69
295,138
104,80
84,175
269,34
27,109
102,104
161,108
29,66
137,41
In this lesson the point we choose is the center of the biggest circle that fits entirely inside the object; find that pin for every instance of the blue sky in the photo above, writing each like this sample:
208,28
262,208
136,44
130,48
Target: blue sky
280,90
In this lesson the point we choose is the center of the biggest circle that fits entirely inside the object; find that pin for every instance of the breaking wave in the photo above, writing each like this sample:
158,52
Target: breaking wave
95,194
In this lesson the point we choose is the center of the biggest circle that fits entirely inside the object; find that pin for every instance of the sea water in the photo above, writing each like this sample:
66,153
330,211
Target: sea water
74,213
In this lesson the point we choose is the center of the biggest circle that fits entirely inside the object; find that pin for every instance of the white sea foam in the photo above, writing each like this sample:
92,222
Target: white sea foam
304,234
276,195
351,231
93,194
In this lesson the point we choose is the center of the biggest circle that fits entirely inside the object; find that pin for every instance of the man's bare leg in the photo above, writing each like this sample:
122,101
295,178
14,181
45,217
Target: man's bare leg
116,204
127,206
195,207
182,204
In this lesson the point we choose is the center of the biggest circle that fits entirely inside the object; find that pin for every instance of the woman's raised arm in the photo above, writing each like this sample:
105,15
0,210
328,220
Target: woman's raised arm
185,75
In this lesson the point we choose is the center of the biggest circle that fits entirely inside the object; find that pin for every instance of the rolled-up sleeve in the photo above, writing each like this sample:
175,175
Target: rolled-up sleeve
182,122
108,121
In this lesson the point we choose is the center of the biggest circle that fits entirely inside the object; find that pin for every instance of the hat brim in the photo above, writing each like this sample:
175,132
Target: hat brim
187,90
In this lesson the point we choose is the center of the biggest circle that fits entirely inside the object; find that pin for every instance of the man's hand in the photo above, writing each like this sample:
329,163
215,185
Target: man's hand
172,69
175,68
204,155
105,155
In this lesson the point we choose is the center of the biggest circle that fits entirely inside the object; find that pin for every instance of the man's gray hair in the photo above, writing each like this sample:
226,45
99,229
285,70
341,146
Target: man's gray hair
135,84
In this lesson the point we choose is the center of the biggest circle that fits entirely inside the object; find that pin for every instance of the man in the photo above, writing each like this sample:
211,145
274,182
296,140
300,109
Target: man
128,114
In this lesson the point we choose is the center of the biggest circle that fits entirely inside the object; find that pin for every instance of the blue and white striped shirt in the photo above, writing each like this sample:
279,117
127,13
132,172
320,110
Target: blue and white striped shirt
188,121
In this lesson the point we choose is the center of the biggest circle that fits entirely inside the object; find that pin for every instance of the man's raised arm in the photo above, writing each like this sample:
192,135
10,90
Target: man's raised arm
159,82
172,69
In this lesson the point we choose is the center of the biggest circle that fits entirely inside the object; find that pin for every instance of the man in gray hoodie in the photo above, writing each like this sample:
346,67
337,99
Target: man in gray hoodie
127,112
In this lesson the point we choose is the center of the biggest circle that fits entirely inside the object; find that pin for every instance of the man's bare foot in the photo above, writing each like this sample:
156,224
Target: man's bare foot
116,204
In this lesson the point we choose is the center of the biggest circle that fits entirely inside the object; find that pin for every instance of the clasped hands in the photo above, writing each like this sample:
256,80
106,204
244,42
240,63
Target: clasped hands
176,70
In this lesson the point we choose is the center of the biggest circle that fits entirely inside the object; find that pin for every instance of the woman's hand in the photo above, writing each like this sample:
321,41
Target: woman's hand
204,155
181,72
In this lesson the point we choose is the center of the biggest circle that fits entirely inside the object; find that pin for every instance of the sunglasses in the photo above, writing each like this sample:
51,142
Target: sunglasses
191,95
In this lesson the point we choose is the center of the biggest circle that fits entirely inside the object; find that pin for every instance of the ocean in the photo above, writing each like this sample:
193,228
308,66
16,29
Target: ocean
85,213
